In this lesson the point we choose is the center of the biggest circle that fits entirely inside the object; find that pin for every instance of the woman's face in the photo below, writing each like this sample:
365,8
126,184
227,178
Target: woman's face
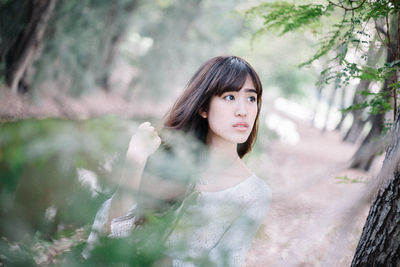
231,116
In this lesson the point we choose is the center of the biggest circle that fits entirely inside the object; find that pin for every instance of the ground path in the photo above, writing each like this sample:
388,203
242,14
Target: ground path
315,219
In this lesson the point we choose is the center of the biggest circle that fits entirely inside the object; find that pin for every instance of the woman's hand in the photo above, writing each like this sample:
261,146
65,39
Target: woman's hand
143,143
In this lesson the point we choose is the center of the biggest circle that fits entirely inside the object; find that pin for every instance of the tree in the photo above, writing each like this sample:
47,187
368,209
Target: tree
359,122
379,244
346,31
354,132
25,45
65,42
372,144
116,28
81,47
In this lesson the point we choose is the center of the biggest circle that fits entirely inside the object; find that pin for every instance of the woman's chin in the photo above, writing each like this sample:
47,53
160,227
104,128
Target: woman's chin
241,140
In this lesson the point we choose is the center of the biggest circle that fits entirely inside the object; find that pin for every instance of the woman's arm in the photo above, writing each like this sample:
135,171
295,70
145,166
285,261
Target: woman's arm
143,143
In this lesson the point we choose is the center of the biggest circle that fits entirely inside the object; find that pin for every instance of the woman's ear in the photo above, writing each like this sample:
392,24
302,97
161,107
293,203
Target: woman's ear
202,113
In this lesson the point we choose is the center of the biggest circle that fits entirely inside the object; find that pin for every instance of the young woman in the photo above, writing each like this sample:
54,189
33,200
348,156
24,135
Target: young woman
220,107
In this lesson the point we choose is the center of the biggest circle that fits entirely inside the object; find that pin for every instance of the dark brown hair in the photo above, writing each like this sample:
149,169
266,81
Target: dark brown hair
215,77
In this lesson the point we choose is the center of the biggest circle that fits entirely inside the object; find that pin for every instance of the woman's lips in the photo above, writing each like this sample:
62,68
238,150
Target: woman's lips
241,126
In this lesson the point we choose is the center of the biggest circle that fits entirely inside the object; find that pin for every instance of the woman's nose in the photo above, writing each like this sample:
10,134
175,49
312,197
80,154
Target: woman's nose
240,109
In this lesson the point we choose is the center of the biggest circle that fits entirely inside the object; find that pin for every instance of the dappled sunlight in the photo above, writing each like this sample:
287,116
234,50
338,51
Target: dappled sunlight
89,179
292,109
284,128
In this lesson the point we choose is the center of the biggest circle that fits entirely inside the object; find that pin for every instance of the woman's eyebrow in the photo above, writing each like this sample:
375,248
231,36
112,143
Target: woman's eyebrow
250,91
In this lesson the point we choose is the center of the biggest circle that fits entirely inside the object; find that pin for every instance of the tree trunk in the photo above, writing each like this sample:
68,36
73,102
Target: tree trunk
117,29
330,103
319,96
354,133
27,47
379,244
358,124
343,114
371,145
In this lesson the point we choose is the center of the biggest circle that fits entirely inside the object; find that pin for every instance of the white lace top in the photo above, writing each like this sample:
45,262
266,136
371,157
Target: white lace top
219,227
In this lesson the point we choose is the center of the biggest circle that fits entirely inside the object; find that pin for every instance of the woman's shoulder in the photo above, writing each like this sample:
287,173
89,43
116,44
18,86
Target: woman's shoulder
260,183
258,189
254,183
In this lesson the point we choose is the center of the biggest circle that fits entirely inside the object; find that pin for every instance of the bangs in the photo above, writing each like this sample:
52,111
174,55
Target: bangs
232,75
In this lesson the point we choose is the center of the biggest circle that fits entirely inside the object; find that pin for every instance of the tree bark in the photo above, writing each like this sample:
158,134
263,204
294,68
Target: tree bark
27,47
379,244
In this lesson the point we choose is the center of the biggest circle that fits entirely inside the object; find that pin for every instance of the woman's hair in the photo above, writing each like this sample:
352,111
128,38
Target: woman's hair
218,75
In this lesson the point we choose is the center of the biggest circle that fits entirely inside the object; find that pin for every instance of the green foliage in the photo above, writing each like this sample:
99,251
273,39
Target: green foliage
376,102
348,180
39,161
378,9
387,128
340,38
285,17
17,255
327,44
145,245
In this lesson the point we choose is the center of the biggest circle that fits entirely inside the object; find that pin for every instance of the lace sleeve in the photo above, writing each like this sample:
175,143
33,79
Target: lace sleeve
99,227
120,226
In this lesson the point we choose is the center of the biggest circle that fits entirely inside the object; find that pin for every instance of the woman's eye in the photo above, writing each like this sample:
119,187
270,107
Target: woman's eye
252,99
229,97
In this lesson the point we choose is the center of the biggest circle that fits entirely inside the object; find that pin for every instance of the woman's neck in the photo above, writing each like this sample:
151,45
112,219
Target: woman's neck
219,147
222,169
221,159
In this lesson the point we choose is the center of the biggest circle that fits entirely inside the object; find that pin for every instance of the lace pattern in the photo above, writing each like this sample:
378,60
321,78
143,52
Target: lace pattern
221,226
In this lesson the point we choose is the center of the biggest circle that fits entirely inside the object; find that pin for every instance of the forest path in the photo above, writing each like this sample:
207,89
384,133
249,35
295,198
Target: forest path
315,218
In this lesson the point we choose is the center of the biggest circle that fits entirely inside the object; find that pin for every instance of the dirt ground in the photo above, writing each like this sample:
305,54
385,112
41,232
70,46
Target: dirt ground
315,217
